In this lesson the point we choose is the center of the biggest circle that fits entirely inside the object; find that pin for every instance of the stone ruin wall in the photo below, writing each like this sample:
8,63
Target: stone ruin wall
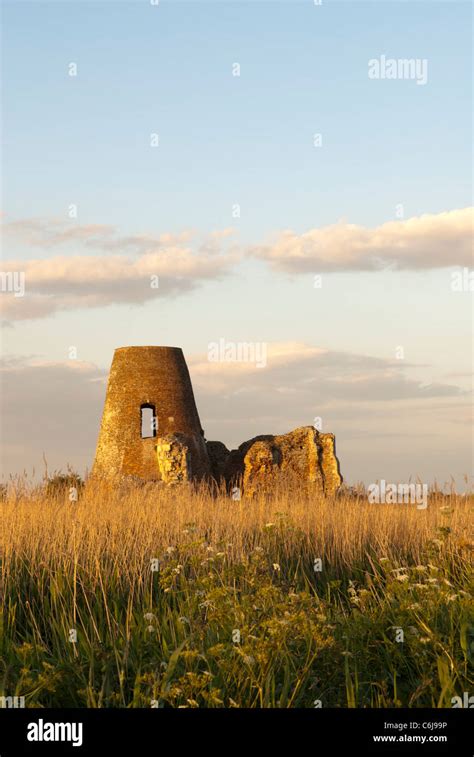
158,377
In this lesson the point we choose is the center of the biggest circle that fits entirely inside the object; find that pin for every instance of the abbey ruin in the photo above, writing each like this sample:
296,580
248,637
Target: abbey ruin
151,431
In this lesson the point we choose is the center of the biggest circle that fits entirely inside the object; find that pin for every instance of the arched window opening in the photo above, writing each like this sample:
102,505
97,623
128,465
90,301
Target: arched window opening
148,421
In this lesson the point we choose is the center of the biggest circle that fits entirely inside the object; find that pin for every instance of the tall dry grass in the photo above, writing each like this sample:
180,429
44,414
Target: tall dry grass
130,523
167,637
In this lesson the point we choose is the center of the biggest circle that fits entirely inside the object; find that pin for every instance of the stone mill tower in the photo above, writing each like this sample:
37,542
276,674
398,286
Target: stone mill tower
149,400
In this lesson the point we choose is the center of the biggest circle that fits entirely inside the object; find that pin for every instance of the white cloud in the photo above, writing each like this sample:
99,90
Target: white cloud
427,241
121,272
312,372
140,268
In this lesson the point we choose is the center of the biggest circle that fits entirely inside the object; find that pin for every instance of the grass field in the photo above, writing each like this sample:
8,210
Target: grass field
288,602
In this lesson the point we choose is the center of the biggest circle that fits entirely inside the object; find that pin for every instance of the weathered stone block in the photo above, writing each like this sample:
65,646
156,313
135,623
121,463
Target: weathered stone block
174,458
303,456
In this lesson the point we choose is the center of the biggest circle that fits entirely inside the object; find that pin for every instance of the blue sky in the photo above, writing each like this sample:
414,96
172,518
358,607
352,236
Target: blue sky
246,139
226,139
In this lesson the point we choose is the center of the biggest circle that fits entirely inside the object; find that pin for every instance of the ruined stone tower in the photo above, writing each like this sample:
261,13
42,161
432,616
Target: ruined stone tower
149,399
151,431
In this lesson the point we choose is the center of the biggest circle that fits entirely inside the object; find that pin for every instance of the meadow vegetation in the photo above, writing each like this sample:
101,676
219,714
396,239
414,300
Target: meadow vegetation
286,601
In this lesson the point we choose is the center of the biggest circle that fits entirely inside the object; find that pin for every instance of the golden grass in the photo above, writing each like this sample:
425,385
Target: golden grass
131,523
167,636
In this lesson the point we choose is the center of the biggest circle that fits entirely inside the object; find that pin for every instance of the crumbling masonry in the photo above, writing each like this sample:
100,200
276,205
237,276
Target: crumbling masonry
151,431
